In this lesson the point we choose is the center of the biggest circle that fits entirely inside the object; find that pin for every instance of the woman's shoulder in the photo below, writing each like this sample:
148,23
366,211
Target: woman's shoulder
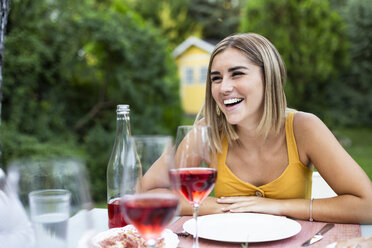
308,130
307,126
306,121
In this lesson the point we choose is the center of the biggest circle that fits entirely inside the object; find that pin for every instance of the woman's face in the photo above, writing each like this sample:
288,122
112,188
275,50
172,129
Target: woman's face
237,86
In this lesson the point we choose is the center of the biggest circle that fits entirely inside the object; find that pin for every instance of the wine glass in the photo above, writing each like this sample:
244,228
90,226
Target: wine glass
15,227
150,213
195,167
55,193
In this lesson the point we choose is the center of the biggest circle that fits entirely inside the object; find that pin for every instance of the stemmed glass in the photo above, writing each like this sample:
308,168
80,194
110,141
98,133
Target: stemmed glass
149,213
16,229
196,167
53,190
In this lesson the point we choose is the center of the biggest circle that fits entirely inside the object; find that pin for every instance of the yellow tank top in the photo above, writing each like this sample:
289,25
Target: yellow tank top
294,182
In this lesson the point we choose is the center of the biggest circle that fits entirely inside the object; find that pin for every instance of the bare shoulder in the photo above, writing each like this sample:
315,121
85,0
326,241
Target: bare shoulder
311,135
306,123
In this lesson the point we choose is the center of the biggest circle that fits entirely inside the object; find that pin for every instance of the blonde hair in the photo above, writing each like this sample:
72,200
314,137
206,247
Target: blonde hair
262,53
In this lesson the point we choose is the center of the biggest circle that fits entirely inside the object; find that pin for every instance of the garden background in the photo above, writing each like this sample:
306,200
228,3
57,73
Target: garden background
68,63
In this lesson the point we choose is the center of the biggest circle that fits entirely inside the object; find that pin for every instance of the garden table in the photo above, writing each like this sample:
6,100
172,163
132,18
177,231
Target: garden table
340,232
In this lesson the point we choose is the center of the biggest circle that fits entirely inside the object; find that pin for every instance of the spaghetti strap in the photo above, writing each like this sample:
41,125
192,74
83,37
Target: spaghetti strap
291,142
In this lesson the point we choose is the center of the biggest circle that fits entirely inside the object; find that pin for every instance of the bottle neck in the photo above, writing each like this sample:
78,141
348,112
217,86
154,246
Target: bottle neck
123,125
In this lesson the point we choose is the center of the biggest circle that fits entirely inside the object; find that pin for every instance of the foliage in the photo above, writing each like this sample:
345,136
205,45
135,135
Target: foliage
218,18
18,145
178,19
4,12
358,98
359,145
171,17
311,39
352,104
338,5
68,65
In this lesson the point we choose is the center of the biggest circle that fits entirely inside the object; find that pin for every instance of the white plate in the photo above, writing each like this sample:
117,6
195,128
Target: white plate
243,227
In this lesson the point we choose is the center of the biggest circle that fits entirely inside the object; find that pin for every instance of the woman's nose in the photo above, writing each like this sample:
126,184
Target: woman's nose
226,86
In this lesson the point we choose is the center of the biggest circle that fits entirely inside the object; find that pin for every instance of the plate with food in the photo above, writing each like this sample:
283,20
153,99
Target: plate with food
129,237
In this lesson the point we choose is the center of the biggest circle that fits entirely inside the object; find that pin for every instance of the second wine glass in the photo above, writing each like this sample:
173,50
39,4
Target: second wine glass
55,192
149,213
195,167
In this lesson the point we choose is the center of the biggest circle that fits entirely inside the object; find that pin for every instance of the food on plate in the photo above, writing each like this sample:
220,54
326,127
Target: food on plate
123,237
355,242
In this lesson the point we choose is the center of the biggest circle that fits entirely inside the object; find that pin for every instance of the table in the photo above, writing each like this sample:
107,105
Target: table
99,222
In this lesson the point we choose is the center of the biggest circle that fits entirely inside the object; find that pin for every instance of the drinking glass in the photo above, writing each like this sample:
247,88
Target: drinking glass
50,210
149,213
53,190
195,167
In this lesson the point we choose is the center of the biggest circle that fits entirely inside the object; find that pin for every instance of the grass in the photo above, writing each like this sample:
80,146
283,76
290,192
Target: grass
358,143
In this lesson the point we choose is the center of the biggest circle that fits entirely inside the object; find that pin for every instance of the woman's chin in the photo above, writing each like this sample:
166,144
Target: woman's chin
233,120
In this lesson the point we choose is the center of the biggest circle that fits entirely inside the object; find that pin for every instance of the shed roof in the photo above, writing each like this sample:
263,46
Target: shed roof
192,41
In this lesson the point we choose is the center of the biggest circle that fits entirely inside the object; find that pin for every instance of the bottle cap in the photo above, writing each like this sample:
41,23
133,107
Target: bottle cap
122,109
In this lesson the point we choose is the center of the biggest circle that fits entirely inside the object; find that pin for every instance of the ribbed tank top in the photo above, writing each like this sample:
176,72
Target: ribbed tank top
294,182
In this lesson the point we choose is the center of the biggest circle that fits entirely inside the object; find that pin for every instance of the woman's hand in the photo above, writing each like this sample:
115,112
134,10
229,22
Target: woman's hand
208,206
241,204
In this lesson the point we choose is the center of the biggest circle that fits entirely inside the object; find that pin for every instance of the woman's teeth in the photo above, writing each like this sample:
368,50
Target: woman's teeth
232,101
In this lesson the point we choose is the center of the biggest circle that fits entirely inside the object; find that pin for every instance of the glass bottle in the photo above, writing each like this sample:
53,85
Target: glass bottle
115,167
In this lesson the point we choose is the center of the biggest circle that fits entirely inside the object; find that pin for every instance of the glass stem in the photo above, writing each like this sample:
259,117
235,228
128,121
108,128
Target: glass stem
151,243
195,216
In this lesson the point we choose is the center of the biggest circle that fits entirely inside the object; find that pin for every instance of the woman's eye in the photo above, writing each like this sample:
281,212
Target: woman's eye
237,73
214,79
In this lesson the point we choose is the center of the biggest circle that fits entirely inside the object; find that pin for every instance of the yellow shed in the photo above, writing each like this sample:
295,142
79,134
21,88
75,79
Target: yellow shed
192,57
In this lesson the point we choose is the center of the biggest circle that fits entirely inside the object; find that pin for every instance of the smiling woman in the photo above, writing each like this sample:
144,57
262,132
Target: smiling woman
267,151
229,73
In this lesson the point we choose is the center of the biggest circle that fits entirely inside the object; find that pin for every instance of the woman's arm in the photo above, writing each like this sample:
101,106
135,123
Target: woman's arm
353,187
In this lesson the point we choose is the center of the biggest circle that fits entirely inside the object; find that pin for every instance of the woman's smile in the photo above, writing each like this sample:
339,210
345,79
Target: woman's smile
237,86
232,103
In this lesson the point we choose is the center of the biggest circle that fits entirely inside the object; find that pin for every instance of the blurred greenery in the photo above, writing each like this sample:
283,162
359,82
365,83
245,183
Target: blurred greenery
68,66
312,41
69,63
358,142
178,19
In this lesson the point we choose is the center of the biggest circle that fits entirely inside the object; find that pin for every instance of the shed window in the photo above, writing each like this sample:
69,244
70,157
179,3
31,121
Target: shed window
189,75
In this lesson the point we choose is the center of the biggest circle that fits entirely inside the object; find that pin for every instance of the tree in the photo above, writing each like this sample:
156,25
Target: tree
4,11
178,19
310,37
351,106
218,18
171,17
71,63
359,23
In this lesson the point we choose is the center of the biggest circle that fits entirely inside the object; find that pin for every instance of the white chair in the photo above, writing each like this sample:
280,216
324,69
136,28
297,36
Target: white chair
320,187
